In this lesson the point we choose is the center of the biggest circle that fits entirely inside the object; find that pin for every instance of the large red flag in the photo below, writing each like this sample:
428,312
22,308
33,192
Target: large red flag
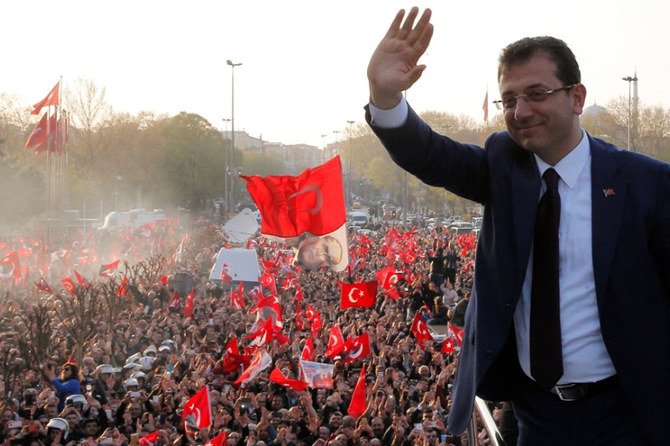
358,294
292,205
420,330
358,404
50,99
276,376
198,406
42,132
335,342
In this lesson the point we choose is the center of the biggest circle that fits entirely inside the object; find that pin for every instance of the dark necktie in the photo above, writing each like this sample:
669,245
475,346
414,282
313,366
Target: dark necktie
546,356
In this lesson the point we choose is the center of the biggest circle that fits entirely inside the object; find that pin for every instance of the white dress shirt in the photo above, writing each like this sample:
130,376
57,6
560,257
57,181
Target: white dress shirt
585,358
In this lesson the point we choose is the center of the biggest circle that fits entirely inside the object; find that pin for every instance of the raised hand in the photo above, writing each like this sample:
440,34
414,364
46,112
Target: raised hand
393,66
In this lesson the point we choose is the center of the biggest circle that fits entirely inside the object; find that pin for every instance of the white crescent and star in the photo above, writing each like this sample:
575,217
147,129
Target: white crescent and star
355,294
358,352
307,189
333,340
6,273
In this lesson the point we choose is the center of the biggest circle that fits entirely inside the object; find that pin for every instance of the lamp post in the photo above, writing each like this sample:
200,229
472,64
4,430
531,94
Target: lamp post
225,176
349,194
232,131
630,80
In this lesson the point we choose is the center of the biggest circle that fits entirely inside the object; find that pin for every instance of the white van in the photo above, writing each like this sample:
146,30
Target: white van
358,218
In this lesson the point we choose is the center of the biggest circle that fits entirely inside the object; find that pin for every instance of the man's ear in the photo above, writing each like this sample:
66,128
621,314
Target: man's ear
578,94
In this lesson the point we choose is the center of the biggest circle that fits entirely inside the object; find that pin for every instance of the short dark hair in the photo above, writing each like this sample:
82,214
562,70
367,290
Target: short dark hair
567,68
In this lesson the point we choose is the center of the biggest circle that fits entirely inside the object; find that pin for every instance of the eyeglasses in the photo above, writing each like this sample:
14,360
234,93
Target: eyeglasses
509,102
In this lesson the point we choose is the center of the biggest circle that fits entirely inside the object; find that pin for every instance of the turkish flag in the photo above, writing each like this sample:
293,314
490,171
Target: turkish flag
225,277
174,302
69,285
50,99
358,397
266,334
267,281
41,134
81,280
448,346
356,348
149,439
237,301
189,304
388,277
456,332
123,287
308,350
233,358
108,270
292,205
219,440
335,342
358,294
420,330
10,267
259,362
42,285
276,376
198,406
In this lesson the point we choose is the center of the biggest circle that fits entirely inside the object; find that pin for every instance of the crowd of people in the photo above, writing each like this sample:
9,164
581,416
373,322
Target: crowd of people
121,372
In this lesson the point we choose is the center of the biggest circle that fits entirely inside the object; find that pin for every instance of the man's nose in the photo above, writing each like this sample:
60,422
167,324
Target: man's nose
522,109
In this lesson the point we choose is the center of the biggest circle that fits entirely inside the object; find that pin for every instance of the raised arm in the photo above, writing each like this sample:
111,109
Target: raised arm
393,66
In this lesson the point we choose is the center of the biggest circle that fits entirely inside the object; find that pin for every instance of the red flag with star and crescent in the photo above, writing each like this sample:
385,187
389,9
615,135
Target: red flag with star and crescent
358,402
69,285
10,267
420,330
358,294
219,440
198,406
276,376
308,350
335,342
356,348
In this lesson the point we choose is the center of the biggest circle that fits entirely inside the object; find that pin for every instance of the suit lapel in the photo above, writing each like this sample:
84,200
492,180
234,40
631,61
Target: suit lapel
608,196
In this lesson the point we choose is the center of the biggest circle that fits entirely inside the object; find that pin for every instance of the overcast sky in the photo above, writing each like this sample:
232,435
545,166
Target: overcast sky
304,62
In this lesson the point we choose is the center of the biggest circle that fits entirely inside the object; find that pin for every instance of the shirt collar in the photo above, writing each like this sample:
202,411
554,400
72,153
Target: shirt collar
571,165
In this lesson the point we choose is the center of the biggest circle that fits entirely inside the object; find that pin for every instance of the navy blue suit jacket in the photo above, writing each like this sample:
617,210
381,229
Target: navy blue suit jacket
631,261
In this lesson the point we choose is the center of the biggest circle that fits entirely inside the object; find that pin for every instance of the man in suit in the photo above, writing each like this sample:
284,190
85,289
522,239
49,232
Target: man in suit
609,233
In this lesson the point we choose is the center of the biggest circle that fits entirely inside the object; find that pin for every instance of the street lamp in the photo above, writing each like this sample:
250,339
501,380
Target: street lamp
630,80
232,130
225,176
349,194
